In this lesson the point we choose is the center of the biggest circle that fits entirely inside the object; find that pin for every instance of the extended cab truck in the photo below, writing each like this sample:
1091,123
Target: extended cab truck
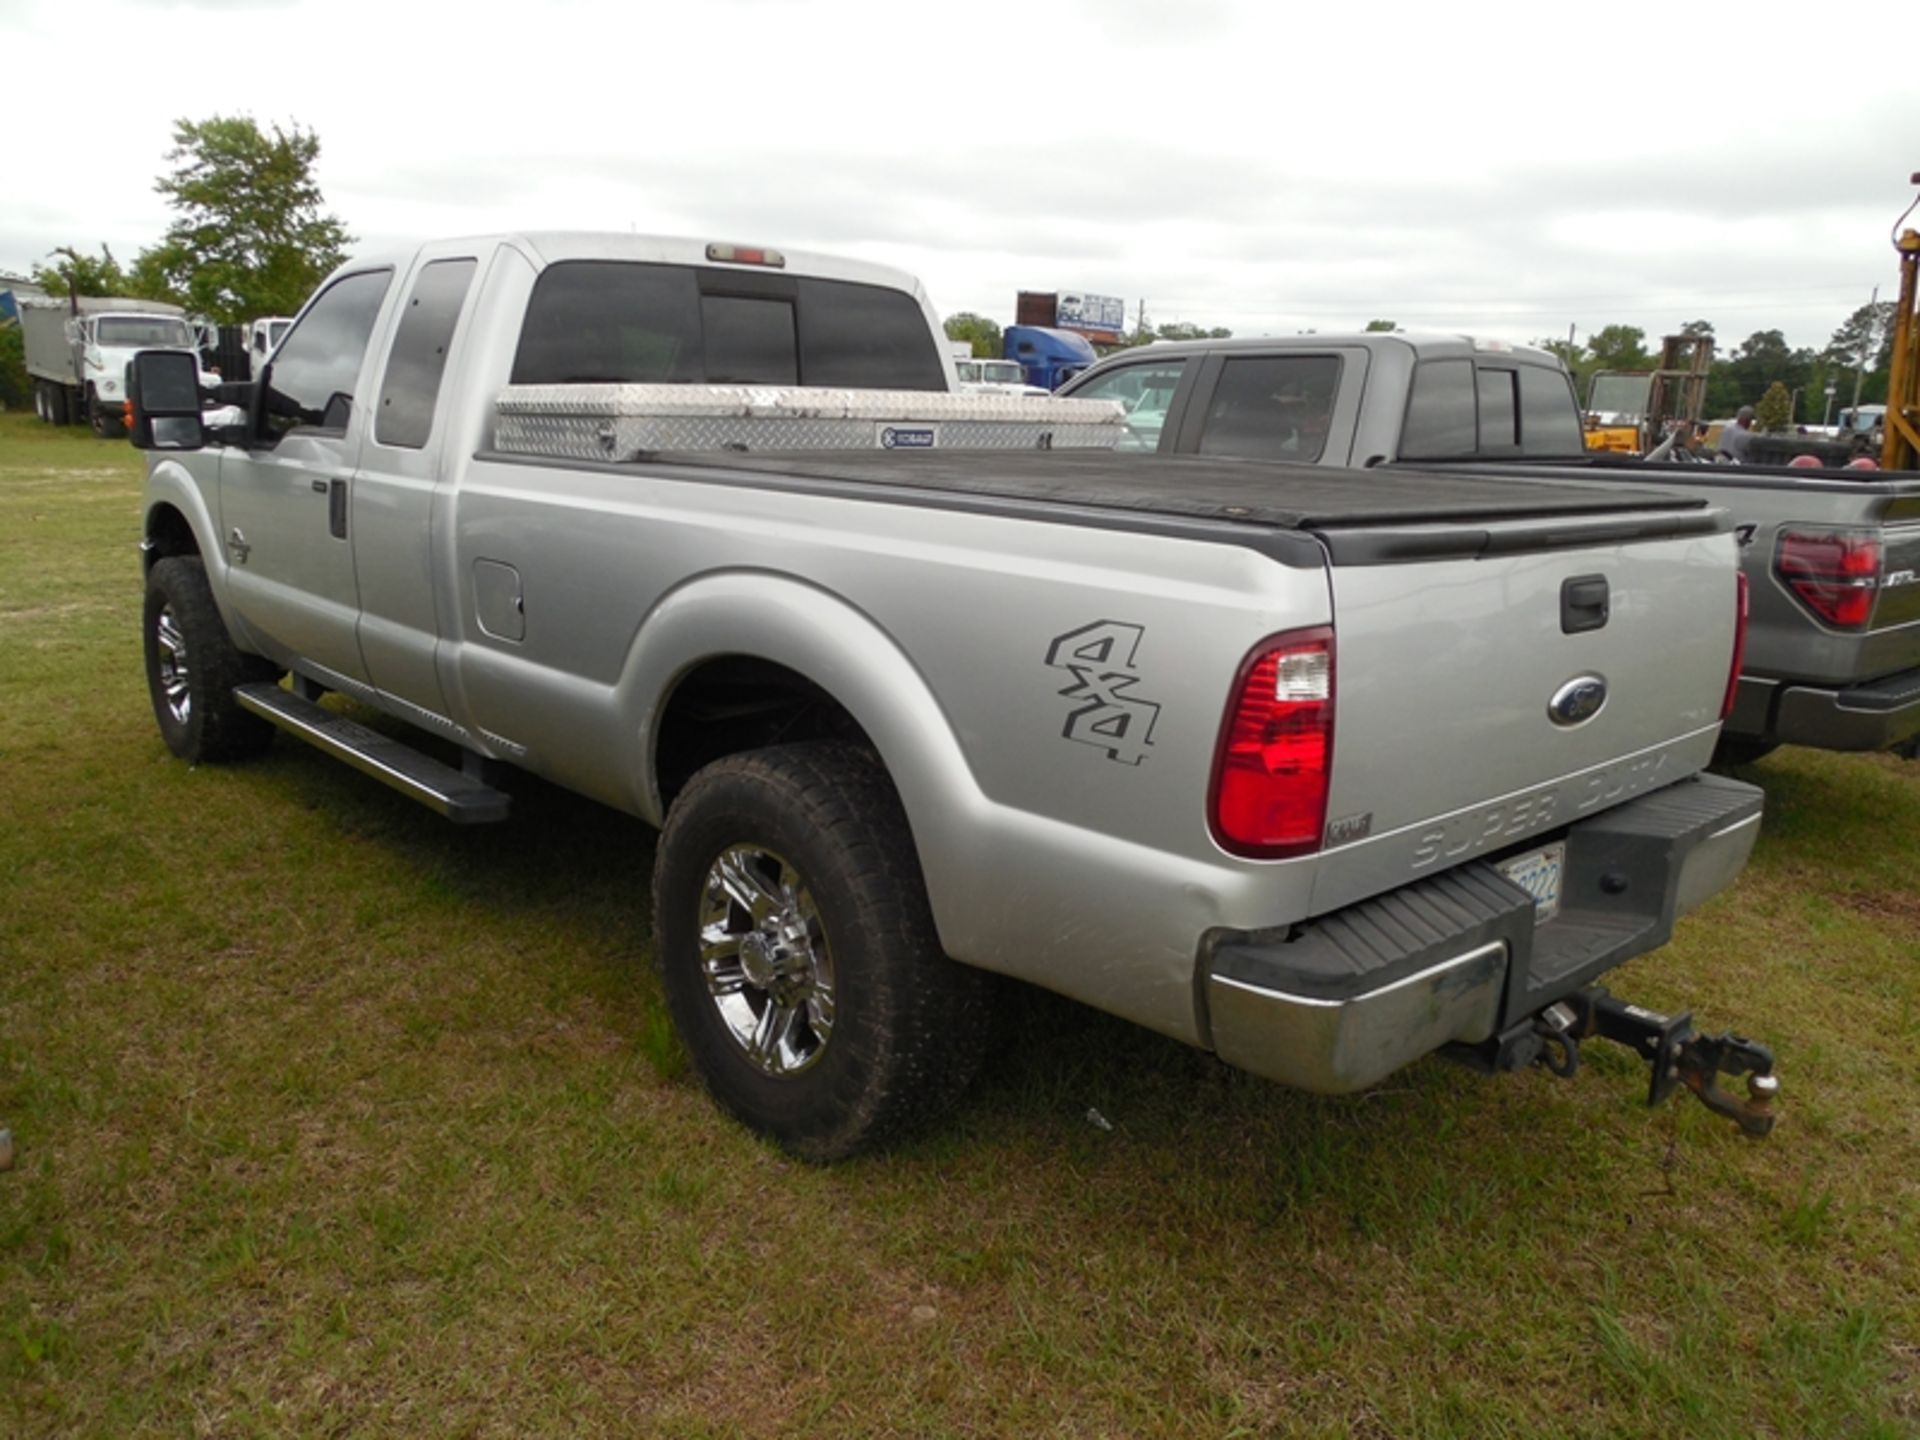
1832,557
1324,776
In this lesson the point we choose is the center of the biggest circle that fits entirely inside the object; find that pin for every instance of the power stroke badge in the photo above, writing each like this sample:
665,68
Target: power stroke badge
1108,713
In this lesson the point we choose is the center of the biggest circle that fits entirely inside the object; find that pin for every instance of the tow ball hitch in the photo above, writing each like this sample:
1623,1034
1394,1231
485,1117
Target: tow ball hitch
1675,1052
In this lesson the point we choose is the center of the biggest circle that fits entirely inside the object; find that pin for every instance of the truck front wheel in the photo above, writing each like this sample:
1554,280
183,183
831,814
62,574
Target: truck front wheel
798,955
104,417
193,667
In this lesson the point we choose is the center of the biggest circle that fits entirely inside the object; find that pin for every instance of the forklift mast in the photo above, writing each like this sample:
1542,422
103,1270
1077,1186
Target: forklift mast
1680,384
1901,450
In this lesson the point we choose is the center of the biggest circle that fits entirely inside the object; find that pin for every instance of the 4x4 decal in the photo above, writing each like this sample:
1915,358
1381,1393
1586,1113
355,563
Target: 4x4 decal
1100,657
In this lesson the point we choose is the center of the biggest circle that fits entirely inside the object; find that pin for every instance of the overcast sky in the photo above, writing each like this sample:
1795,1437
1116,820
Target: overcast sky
1512,170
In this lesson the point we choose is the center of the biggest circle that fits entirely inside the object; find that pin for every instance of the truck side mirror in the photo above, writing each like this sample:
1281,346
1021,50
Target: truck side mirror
163,389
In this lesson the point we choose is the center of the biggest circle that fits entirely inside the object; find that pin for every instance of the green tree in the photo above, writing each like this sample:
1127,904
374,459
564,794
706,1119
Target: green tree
85,274
1764,357
1619,347
16,389
249,235
1772,414
983,334
1381,327
1699,329
1864,343
1183,330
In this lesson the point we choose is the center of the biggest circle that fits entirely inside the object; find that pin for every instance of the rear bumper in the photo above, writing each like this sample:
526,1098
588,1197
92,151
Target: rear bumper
1345,1000
1874,716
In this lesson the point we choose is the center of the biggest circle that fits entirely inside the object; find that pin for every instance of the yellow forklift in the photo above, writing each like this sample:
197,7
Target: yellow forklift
1631,411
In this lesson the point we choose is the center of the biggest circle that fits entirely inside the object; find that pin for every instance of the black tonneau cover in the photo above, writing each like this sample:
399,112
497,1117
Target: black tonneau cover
1360,516
1631,469
1270,493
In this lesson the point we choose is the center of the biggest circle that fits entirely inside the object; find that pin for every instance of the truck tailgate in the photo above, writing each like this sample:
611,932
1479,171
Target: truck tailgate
1464,684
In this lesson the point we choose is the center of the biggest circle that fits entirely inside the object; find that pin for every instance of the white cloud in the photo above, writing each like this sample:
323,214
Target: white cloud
1262,166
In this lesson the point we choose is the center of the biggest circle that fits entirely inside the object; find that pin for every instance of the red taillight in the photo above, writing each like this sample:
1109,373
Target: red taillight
1835,574
1276,749
1739,644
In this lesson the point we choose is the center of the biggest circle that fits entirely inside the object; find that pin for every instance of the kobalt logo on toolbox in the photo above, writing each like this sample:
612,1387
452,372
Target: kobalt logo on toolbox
909,437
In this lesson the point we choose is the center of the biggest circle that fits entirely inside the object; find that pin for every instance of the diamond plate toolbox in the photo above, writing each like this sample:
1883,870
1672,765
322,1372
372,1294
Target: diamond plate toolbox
628,422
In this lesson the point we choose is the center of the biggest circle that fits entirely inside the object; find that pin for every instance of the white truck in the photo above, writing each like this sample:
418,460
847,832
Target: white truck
77,353
1321,771
264,337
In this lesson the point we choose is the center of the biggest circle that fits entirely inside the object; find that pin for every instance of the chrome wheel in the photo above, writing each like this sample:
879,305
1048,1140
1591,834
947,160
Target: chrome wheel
171,651
764,958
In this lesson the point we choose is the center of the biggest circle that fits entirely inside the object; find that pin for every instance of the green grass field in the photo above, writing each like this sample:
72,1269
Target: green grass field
335,1120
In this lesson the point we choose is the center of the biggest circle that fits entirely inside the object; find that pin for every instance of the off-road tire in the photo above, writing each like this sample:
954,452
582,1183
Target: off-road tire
909,1024
213,727
1738,750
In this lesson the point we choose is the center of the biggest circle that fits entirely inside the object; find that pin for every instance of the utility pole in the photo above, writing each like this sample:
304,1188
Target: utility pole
1140,325
1867,347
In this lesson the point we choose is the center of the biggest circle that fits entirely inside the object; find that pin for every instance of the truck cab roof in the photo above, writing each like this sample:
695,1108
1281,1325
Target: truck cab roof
1422,344
546,247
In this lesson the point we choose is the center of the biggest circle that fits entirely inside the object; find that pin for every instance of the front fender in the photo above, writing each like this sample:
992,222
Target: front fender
172,486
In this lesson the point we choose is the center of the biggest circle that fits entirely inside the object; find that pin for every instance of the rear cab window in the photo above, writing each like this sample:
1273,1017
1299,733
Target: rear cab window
1458,408
626,322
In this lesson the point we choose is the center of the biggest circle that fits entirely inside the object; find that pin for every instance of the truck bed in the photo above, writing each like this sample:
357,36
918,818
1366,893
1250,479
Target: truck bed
1263,495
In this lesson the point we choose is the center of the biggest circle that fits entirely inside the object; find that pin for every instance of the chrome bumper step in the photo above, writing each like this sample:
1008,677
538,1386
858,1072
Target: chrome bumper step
458,796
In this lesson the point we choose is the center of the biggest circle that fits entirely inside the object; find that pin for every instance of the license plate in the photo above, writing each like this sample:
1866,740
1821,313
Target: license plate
1538,873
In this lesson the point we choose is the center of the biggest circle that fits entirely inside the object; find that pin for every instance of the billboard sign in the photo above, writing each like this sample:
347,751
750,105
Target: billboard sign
1094,314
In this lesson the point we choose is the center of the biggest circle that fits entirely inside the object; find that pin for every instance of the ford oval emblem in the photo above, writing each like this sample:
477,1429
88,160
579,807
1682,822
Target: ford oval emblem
1578,701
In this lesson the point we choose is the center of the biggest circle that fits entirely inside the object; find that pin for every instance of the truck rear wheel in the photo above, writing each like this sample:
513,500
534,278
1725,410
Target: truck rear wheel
798,955
193,667
56,404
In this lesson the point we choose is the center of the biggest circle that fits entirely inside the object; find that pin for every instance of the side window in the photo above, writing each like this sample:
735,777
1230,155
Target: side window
313,374
1145,393
1549,417
1499,412
419,355
1272,407
1440,412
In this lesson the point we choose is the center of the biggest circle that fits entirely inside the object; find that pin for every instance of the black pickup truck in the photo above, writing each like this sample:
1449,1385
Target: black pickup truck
1832,557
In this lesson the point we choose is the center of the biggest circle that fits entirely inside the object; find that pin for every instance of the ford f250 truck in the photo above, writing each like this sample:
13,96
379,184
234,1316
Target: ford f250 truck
1323,776
1832,557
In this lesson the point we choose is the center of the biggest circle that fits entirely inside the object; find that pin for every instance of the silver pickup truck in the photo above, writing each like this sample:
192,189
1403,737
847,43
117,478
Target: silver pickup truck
1833,557
1323,776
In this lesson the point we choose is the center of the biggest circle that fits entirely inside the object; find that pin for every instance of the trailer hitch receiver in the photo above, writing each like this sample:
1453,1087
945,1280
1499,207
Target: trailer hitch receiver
1675,1053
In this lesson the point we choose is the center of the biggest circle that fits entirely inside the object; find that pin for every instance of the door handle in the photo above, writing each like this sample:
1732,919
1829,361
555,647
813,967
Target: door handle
1585,604
336,508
